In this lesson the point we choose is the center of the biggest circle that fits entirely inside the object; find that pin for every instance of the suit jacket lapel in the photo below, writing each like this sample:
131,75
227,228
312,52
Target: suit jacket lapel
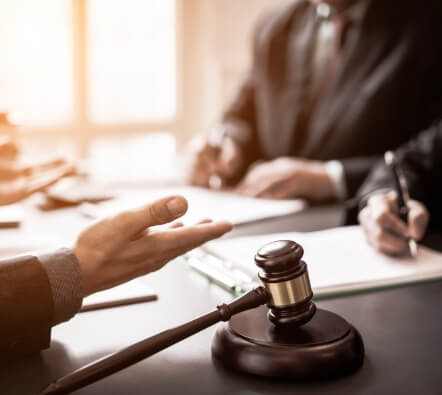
294,85
342,92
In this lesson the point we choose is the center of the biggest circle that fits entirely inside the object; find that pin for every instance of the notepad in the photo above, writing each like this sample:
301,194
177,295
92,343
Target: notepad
339,260
128,293
203,204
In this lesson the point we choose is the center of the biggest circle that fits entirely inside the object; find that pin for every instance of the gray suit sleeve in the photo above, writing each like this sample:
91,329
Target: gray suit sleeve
65,281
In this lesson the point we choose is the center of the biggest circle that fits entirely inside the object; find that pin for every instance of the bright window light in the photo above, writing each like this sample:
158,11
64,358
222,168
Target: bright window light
131,60
36,61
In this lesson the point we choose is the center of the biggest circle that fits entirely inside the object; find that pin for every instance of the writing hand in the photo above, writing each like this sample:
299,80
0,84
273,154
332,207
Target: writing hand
383,228
222,162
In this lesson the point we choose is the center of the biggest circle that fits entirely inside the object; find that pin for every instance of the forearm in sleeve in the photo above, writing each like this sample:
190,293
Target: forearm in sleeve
64,274
36,293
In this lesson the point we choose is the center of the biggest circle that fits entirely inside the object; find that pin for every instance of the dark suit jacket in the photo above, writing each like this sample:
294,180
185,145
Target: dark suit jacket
421,163
388,86
26,307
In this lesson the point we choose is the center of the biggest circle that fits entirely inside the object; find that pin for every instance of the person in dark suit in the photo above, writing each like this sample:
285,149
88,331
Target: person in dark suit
38,292
332,85
421,163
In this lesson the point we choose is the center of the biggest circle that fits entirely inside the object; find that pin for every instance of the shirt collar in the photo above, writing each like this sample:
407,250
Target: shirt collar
354,14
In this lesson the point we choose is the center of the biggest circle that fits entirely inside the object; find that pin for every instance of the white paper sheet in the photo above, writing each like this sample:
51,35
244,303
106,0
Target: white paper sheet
122,294
339,260
11,215
203,204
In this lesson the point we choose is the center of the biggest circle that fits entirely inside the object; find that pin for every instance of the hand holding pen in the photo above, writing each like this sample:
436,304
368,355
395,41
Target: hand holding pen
216,164
392,222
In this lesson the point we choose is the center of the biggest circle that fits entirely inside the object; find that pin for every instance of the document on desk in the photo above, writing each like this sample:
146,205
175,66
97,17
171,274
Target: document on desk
203,203
339,260
11,215
122,295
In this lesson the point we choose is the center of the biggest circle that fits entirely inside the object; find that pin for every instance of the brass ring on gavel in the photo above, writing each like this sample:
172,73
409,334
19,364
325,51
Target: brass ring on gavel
289,292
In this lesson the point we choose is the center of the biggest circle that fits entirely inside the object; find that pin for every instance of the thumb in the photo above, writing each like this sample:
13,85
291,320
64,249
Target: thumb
160,212
418,218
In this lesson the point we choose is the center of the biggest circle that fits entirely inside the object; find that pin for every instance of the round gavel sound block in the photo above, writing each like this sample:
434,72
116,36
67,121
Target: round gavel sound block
290,338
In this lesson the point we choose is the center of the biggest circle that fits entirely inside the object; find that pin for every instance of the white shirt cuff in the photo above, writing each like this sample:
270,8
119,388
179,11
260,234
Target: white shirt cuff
335,170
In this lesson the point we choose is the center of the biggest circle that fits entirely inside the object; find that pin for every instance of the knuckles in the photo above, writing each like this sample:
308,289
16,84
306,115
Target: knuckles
380,217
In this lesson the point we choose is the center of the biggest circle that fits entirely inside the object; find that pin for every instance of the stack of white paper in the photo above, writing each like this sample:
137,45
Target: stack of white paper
339,260
203,204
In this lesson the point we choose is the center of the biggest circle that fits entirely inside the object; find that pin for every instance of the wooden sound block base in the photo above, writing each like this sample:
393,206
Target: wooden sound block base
326,347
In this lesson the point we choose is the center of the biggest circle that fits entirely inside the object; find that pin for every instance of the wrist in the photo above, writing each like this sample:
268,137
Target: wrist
88,286
335,171
320,186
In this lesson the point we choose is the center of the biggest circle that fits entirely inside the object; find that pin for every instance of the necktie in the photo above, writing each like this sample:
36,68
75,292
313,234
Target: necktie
341,27
326,72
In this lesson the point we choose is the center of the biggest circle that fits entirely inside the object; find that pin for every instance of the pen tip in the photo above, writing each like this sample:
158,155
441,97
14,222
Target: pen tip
389,157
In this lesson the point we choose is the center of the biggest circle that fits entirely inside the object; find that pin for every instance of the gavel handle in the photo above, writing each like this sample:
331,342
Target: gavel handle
130,355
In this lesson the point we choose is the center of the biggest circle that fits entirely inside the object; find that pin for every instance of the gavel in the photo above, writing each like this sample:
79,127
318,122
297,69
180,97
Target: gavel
295,340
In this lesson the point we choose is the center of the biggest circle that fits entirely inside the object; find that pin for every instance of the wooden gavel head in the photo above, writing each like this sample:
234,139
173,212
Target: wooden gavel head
284,275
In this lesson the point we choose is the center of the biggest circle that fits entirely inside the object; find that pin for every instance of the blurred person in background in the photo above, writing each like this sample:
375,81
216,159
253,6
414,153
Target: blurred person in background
333,84
19,179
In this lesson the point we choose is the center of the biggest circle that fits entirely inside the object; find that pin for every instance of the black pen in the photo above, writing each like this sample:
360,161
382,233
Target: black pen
402,196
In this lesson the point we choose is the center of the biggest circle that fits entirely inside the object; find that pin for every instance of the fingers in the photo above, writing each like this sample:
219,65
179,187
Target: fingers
205,221
41,181
203,166
176,241
149,253
380,238
10,172
13,191
174,225
25,183
266,189
193,236
224,162
418,218
177,224
271,180
384,231
132,222
383,209
389,244
230,160
282,189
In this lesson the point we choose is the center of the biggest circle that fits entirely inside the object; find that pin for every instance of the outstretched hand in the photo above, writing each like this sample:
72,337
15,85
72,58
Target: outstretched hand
130,244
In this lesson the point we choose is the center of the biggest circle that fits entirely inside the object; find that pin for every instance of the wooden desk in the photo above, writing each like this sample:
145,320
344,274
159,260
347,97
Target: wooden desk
401,330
